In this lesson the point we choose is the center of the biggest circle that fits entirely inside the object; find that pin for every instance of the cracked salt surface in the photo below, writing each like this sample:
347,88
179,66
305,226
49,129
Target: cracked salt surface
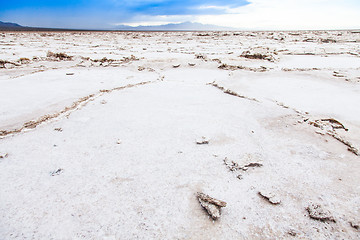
126,166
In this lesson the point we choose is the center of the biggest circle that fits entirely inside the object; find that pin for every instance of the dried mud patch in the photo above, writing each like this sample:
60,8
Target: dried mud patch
225,66
58,56
246,162
260,53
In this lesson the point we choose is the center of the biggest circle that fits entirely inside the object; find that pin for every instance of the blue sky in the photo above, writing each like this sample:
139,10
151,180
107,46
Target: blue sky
107,12
151,7
243,14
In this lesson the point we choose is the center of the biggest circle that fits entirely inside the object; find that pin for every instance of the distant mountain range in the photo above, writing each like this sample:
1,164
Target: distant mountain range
185,26
8,25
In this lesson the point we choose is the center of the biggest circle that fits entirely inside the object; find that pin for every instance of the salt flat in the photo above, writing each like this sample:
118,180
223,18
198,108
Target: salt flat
99,129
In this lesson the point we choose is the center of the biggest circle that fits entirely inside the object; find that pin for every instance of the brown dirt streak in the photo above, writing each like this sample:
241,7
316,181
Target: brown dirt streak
84,100
230,92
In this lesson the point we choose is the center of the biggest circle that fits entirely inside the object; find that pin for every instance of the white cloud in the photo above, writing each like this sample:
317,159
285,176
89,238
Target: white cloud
290,14
225,8
146,20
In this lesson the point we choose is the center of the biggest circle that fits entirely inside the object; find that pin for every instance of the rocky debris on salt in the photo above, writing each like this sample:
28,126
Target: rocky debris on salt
318,213
211,205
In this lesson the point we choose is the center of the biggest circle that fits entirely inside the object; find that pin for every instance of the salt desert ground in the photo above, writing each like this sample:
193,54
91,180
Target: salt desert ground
111,135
